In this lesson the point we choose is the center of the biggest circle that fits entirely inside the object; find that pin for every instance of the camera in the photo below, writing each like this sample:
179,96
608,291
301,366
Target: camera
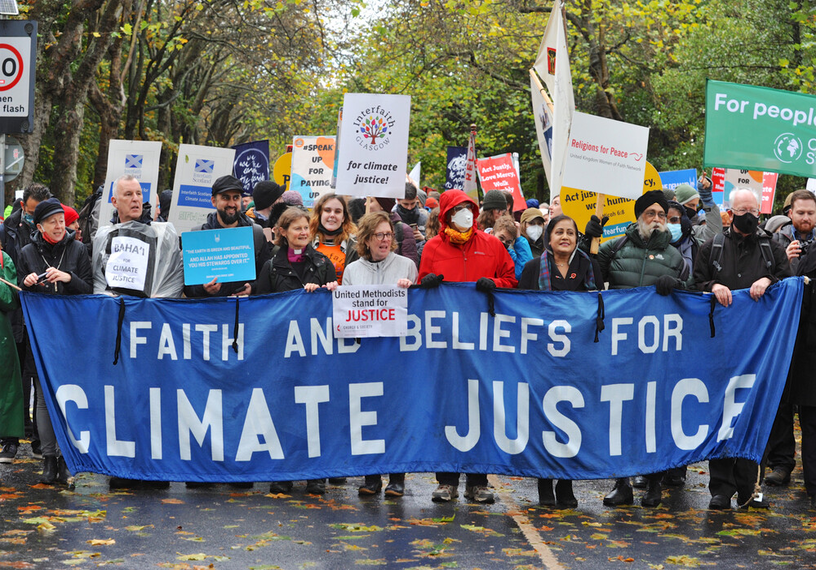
804,247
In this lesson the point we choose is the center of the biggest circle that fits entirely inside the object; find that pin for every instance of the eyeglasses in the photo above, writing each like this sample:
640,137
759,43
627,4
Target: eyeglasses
383,236
460,207
741,211
674,220
649,214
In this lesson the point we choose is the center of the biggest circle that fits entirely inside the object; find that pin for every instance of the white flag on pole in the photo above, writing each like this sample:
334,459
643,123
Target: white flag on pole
469,187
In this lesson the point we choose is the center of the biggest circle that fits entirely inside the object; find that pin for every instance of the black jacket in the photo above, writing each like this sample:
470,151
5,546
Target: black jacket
67,255
801,380
262,254
278,275
576,279
742,262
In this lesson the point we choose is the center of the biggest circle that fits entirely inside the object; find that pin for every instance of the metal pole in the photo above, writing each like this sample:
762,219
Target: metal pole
2,173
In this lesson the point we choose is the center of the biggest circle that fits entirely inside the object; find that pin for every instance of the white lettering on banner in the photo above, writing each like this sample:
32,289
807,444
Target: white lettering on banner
73,393
672,328
212,421
166,345
115,447
127,264
259,434
359,419
687,387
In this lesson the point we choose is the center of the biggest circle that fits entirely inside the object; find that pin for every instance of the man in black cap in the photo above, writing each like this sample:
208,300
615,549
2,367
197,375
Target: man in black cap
226,197
742,257
640,258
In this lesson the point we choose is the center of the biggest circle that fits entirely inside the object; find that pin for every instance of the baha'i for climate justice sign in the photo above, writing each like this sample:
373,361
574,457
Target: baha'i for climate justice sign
758,128
373,145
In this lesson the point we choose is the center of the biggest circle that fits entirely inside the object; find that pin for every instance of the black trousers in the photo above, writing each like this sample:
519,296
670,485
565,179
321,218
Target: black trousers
781,450
807,421
729,476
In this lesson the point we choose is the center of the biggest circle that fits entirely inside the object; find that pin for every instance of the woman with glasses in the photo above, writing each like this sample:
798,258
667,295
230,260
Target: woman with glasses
379,265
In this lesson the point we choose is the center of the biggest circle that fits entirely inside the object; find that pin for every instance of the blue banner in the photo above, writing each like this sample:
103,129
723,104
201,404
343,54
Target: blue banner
228,254
674,178
457,162
251,164
257,389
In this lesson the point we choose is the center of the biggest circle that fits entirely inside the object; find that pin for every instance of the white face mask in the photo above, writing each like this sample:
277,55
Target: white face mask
463,218
534,232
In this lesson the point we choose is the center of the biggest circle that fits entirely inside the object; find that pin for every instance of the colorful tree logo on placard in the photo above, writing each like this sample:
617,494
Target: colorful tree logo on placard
374,126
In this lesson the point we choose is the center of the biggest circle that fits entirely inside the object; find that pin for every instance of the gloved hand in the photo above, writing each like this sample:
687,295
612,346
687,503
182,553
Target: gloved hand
704,187
431,281
594,227
665,284
485,285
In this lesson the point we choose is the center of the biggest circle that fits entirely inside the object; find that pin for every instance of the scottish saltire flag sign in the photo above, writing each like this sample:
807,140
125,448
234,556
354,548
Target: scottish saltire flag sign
258,389
197,168
136,158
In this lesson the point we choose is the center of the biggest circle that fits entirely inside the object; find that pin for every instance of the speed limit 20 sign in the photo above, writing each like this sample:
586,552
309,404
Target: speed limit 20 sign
18,46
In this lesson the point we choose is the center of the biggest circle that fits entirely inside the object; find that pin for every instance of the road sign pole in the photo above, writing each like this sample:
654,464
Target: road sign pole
2,173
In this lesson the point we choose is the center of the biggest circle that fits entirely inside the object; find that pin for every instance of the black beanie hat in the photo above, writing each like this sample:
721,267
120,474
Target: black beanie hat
47,208
265,194
649,198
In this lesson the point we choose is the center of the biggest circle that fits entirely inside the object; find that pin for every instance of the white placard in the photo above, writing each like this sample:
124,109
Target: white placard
370,311
198,167
139,159
127,264
373,145
606,156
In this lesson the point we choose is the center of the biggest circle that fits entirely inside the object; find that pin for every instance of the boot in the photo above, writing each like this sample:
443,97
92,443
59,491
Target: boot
654,494
564,497
545,493
621,494
62,471
49,472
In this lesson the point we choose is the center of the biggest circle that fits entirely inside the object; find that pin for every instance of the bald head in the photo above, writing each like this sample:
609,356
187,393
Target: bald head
742,198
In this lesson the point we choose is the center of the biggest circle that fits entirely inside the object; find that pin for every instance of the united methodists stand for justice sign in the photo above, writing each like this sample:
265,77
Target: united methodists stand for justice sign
259,389
372,149
370,311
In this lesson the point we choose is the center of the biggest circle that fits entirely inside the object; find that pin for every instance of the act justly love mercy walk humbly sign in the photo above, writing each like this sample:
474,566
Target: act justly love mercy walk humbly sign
258,389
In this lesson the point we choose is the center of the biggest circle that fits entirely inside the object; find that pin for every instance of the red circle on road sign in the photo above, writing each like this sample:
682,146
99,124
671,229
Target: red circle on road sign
19,58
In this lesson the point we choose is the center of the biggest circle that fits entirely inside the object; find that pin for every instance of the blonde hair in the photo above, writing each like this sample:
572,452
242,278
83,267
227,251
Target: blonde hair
367,226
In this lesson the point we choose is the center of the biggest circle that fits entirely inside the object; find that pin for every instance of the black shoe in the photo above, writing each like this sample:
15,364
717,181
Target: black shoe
546,498
49,472
395,488
564,497
640,482
243,485
316,487
719,503
337,480
36,449
372,485
654,495
812,502
198,485
280,487
778,477
675,477
63,475
9,452
621,494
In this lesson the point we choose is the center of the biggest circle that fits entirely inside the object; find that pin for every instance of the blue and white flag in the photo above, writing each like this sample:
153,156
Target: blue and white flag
457,163
251,164
258,389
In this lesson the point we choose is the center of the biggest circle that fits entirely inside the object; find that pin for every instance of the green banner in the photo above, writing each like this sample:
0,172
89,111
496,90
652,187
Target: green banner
758,128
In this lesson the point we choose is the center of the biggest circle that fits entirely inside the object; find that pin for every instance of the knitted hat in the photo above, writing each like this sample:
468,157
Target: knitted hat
266,193
494,200
47,208
649,198
292,197
685,194
431,203
70,215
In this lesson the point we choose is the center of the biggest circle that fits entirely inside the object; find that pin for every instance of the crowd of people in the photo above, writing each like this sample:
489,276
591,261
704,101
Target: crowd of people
680,240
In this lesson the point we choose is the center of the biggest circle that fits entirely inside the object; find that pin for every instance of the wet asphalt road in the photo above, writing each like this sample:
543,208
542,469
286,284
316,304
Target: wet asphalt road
221,527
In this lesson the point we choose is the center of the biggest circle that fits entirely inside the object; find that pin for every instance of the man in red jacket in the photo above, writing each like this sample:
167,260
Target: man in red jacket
461,252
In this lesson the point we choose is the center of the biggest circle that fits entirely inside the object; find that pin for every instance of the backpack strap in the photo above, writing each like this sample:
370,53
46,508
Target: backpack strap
715,258
618,245
767,253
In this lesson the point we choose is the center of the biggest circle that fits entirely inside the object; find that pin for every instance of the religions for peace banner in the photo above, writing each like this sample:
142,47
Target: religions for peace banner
758,128
258,389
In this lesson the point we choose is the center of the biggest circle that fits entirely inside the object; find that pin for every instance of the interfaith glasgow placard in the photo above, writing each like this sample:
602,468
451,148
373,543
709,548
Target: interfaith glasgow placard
758,128
373,145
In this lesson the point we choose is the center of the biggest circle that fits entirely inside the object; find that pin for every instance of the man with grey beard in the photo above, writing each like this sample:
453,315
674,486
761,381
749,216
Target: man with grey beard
643,257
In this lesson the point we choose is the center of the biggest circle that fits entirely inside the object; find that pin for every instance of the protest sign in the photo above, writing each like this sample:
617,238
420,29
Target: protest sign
499,173
718,183
374,145
312,165
128,264
361,311
515,393
759,128
455,172
136,158
580,206
197,168
606,157
762,183
674,178
543,118
282,170
469,184
227,254
251,164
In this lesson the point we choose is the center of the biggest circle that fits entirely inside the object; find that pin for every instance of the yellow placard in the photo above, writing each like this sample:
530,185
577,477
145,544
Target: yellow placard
580,205
282,171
